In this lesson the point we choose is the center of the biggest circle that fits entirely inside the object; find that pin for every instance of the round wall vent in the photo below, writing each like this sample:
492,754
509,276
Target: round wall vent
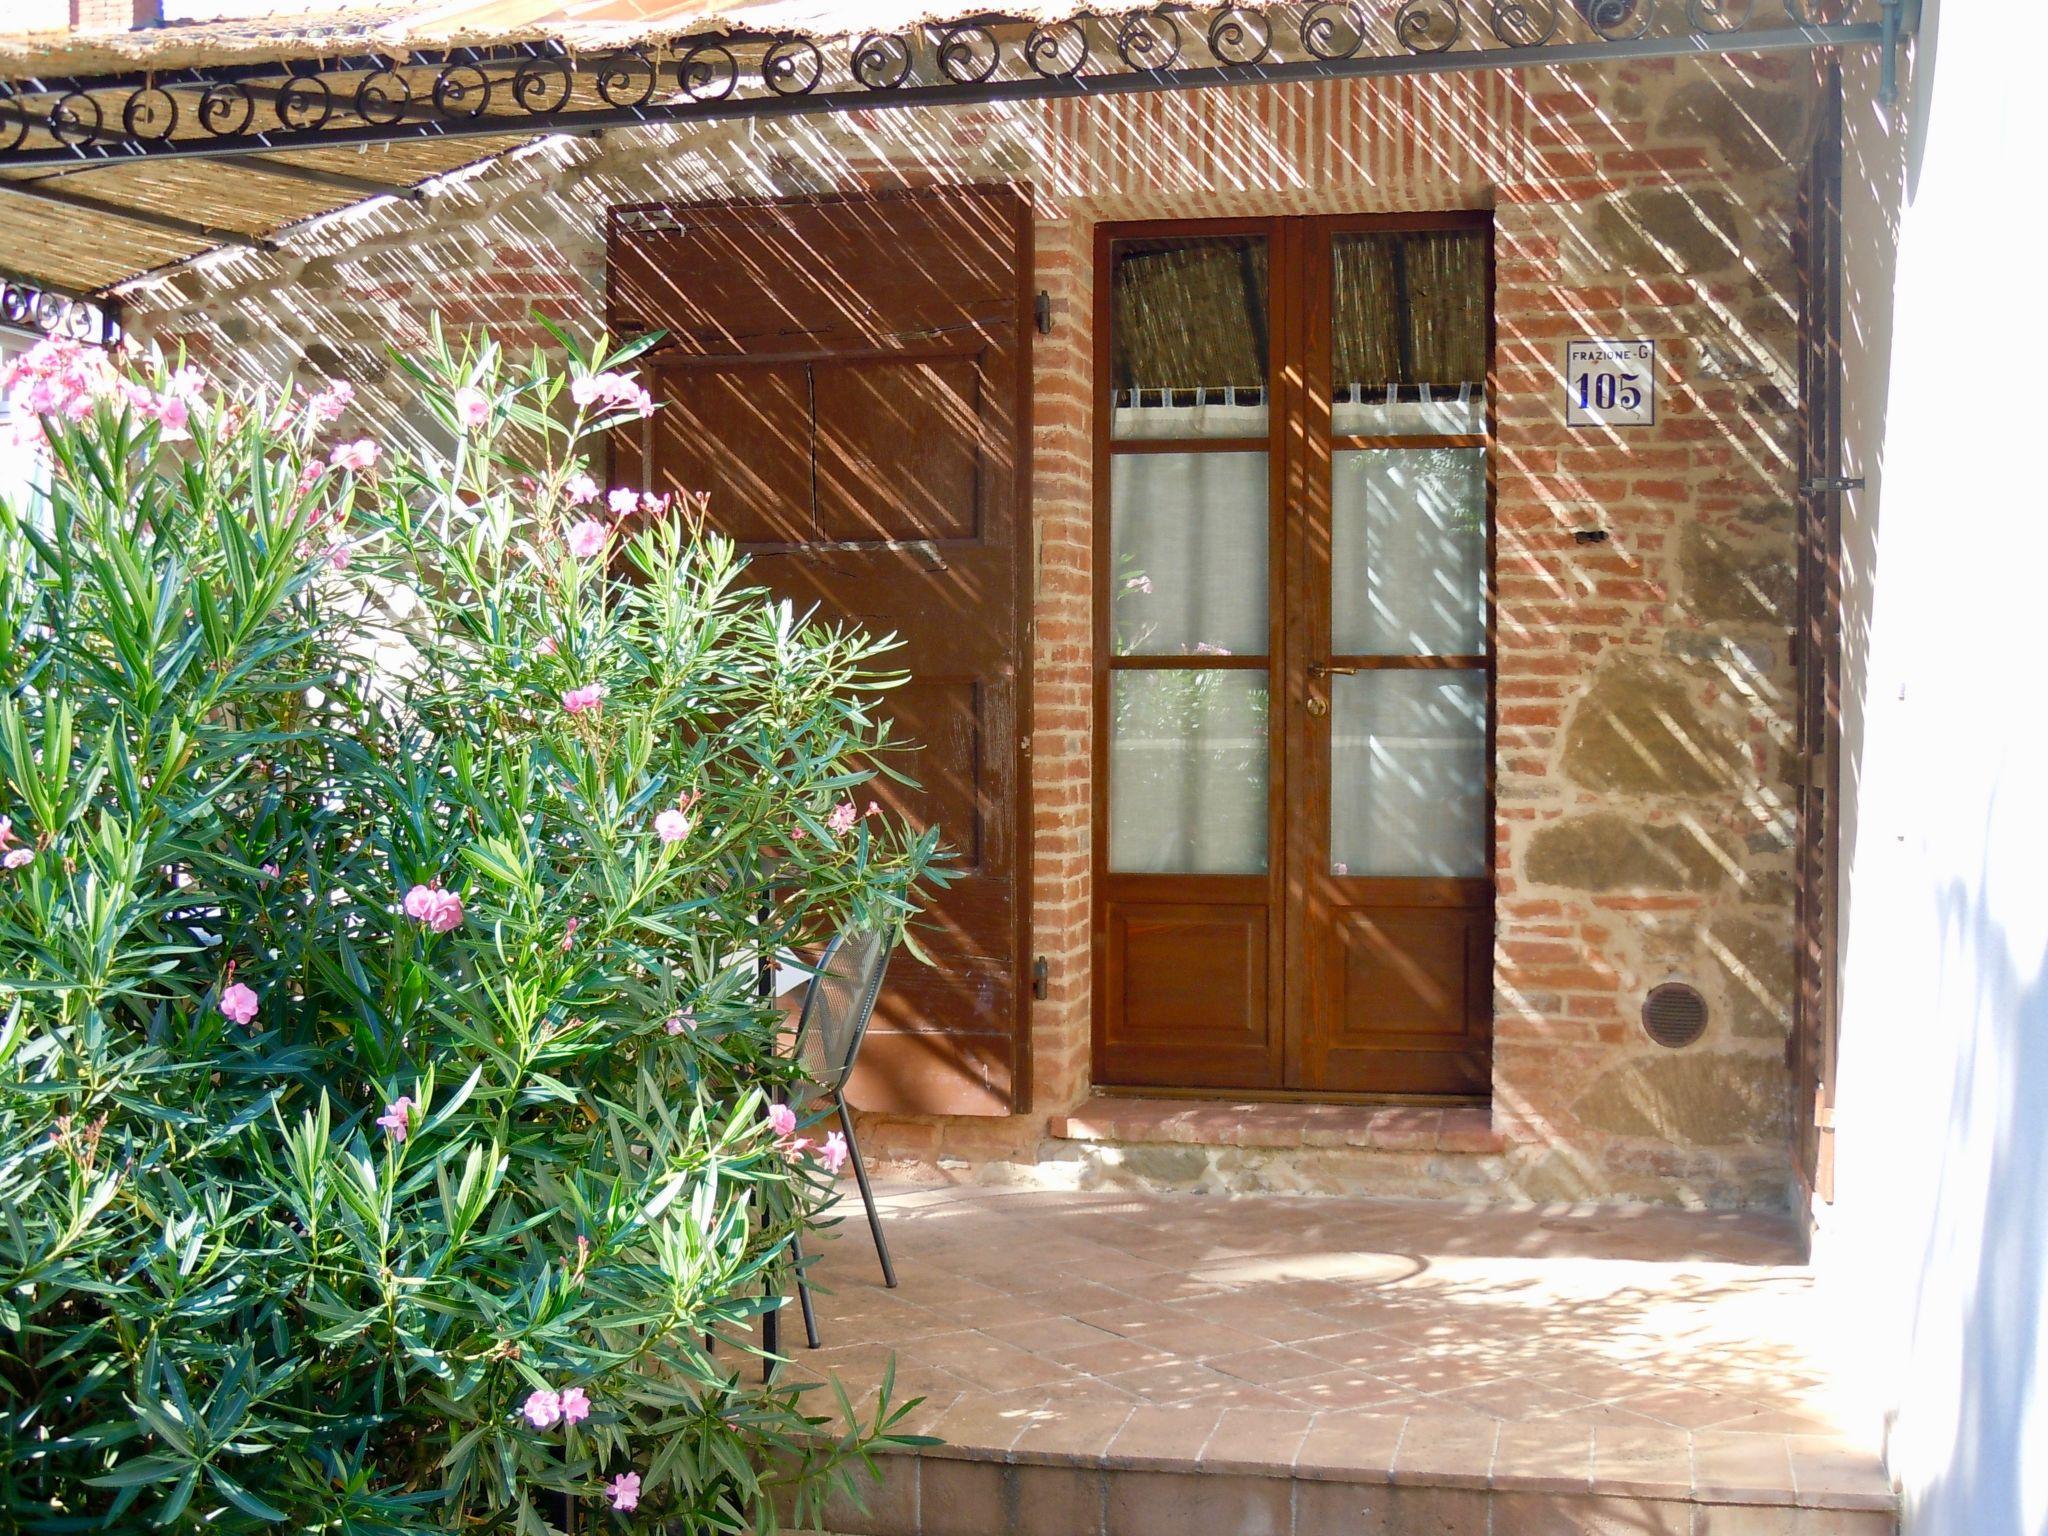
1674,1014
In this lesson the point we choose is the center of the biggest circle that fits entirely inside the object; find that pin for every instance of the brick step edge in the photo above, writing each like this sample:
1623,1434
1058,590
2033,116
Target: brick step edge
1280,1126
925,1495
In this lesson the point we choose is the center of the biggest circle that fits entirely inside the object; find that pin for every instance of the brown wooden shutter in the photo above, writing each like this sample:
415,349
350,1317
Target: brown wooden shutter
846,376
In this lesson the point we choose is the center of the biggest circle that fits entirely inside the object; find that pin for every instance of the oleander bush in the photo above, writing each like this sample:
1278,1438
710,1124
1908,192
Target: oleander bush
391,1134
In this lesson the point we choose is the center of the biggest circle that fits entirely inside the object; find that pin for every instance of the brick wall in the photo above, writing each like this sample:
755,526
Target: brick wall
1644,682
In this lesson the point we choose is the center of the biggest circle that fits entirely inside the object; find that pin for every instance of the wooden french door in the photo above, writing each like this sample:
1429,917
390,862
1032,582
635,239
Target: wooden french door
1294,675
846,378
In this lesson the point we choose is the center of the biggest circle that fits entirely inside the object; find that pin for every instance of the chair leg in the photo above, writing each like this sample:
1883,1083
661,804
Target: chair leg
867,1194
803,1292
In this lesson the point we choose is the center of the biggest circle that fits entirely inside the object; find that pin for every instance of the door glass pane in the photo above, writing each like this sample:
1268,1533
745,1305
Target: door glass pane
1408,332
1187,772
1188,534
1408,773
1408,552
1188,337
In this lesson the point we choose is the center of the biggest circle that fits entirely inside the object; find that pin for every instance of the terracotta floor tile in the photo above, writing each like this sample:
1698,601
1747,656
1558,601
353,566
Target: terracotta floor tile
1349,1389
1162,1437
1255,1440
1544,1456
1454,1452
1075,1429
1738,1467
1359,1446
1514,1398
1273,1365
1115,1357
1830,1473
1648,1462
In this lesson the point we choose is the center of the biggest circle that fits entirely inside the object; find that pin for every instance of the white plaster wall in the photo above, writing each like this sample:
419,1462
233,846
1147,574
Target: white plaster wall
1933,1261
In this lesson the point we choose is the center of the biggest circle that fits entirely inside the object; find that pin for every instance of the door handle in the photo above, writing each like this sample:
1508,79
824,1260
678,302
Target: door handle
1324,669
1318,708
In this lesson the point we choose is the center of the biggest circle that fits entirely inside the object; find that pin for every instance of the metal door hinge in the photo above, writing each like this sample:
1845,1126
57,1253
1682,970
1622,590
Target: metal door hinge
1041,978
1041,312
1831,483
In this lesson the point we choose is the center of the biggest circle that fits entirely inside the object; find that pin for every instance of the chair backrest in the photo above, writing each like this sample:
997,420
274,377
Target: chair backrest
839,1004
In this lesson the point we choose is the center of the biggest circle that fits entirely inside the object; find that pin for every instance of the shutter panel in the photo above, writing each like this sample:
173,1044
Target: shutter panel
847,377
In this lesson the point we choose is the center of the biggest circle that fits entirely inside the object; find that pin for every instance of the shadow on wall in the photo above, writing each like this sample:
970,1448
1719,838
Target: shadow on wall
1991,1213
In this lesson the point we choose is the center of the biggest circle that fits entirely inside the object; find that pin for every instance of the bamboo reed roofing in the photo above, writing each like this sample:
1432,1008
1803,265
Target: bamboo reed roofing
64,230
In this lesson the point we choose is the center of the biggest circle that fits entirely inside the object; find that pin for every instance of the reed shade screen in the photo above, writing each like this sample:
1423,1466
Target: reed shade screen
1190,314
1409,309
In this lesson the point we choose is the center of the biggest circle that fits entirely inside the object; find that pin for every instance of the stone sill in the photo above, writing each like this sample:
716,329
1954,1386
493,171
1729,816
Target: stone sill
1285,1126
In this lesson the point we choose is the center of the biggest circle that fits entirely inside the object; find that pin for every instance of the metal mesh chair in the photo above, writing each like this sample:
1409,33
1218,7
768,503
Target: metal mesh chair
836,1010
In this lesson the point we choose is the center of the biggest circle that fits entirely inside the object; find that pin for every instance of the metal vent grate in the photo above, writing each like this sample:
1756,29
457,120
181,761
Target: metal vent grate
1674,1014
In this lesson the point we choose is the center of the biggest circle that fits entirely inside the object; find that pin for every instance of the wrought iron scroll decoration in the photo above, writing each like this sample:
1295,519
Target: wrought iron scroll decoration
30,310
543,87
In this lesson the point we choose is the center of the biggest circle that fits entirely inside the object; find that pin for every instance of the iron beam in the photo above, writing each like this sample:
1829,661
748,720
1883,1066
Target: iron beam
1804,38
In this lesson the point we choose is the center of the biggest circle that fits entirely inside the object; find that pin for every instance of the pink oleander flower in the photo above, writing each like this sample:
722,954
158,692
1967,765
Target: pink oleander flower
339,554
239,1003
679,1023
653,505
586,539
440,910
612,389
16,857
625,1490
309,475
1204,648
542,1408
1139,584
622,501
569,934
842,818
575,1405
579,700
472,407
672,826
7,837
579,489
59,378
270,871
833,1153
874,808
782,1120
358,456
330,402
397,1117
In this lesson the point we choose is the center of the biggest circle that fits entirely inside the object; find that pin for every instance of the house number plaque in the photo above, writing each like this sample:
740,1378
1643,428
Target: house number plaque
1610,383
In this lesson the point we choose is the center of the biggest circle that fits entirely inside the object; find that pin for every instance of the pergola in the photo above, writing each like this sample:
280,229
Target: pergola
124,152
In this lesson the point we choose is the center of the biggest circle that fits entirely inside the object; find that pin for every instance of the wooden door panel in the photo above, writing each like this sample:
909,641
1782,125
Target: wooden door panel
1188,999
900,448
945,716
1407,1001
744,435
847,376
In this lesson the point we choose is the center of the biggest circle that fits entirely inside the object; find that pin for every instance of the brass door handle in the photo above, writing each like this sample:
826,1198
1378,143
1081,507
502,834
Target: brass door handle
1324,669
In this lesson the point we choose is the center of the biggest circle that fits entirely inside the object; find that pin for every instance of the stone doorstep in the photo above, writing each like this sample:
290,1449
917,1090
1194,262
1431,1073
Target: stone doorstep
952,1491
1280,1125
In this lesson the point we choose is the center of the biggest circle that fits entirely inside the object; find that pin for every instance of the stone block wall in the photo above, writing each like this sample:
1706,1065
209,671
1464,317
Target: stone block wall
1645,685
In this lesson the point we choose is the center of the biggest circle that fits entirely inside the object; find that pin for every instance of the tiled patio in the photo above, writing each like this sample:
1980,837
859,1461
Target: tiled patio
1144,1365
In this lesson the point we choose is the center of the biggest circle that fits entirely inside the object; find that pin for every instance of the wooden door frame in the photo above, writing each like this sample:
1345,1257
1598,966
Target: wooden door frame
1166,890
1297,245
